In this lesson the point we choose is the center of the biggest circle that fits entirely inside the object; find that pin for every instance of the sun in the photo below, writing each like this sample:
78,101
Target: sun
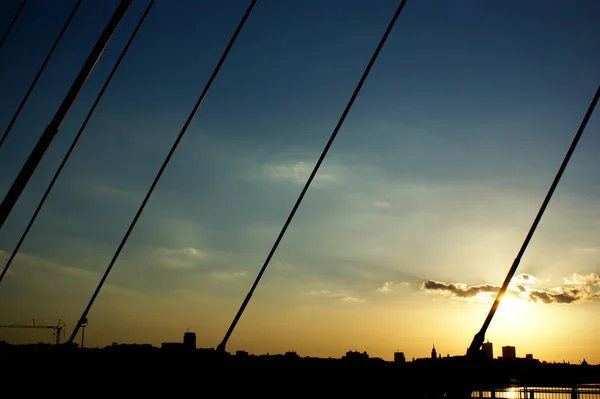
514,307
514,314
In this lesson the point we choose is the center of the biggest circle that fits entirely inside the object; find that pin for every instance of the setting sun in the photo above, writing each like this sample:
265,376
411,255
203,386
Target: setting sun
513,317
514,310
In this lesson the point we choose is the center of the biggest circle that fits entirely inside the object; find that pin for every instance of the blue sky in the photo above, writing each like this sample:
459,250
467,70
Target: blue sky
436,174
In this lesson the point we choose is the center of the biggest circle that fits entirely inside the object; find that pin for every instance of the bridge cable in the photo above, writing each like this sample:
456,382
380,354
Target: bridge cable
24,100
12,23
49,134
223,343
473,350
76,139
83,317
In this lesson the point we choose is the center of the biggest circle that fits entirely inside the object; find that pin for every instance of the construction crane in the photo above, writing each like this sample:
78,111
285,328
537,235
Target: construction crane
59,328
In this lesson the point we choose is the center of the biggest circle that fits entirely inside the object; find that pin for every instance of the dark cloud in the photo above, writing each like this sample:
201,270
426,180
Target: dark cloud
459,290
580,289
549,297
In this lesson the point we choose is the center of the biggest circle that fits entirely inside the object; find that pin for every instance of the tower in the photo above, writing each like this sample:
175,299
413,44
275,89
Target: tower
399,357
488,349
433,352
509,352
189,340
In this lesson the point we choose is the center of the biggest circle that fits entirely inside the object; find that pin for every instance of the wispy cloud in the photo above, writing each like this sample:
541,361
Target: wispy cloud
381,204
351,299
228,276
297,172
578,279
109,191
390,286
4,256
582,291
587,250
341,296
178,258
285,267
387,287
74,272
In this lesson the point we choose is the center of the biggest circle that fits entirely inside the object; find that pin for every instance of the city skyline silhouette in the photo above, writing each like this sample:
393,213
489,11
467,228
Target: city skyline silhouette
408,229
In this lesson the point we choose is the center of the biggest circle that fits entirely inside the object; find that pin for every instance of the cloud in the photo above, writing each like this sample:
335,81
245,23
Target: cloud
386,287
587,250
525,279
109,191
297,172
177,258
578,279
381,204
556,295
284,266
457,289
4,254
337,295
583,291
228,276
76,273
351,299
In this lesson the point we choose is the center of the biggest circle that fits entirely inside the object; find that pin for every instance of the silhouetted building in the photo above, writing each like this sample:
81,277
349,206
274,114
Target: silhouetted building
350,355
291,354
189,343
488,349
529,356
172,346
189,340
399,357
433,353
241,353
509,352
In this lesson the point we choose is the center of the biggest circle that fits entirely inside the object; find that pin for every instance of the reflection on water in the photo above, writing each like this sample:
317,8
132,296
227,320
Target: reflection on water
578,392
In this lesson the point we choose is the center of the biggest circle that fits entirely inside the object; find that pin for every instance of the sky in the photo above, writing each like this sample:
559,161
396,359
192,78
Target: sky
407,231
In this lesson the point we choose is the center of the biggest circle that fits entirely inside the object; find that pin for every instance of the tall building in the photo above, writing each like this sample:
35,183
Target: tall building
399,357
189,340
433,352
488,349
509,352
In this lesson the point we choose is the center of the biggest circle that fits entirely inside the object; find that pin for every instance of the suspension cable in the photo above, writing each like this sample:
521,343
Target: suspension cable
480,336
12,23
47,137
223,343
76,139
24,100
164,165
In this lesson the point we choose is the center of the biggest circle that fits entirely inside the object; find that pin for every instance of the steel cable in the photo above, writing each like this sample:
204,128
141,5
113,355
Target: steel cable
83,317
